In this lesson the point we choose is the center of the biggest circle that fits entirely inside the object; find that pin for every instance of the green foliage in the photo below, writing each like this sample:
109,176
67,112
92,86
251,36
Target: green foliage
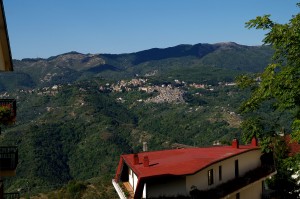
263,22
252,127
75,189
277,92
239,58
296,129
285,185
201,74
246,81
95,188
280,80
193,99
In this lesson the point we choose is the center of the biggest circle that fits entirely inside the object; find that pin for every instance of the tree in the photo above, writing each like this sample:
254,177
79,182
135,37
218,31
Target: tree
280,81
279,86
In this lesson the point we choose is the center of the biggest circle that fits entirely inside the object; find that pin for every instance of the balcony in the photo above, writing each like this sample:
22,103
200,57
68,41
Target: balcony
8,160
237,184
119,190
8,111
15,195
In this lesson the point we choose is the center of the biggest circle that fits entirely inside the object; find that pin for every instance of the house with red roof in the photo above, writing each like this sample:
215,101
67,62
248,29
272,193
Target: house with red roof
233,172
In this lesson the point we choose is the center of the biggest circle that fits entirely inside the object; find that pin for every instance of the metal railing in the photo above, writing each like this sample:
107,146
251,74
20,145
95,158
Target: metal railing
119,190
15,195
8,157
233,185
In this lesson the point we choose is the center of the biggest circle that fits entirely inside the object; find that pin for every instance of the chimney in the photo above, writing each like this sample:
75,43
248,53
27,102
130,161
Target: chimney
135,159
235,143
254,141
146,161
145,146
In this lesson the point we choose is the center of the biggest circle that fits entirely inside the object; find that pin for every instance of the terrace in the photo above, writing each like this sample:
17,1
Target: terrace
238,184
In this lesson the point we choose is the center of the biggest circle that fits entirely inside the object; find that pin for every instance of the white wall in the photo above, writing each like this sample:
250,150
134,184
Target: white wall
144,191
169,186
135,179
254,191
247,161
132,179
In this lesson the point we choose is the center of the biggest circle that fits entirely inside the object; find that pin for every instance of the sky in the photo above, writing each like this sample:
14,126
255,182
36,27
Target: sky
44,28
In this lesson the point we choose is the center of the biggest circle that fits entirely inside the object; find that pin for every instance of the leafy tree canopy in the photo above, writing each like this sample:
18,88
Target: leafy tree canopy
280,81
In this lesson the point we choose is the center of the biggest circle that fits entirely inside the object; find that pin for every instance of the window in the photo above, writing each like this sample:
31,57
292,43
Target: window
220,173
236,168
210,177
237,196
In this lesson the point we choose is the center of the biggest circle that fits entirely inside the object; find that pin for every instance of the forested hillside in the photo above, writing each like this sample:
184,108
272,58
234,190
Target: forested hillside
77,113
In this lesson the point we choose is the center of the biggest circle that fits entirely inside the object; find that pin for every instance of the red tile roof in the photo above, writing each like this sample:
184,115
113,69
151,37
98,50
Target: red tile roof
182,161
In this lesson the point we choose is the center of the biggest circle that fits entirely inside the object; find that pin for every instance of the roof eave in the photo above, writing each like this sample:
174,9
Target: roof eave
6,63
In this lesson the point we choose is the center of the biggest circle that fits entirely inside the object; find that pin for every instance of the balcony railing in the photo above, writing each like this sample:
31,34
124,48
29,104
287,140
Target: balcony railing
119,189
15,195
235,184
8,158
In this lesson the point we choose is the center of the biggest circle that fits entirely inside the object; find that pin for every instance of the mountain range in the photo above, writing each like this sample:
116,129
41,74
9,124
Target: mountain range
73,66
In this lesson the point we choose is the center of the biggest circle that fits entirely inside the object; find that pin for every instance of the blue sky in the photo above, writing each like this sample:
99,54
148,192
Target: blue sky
44,28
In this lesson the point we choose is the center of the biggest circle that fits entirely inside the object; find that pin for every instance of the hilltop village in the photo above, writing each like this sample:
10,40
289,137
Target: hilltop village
170,92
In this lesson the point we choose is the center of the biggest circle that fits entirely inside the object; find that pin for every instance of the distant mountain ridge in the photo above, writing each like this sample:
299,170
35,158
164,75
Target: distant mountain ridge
73,66
198,50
